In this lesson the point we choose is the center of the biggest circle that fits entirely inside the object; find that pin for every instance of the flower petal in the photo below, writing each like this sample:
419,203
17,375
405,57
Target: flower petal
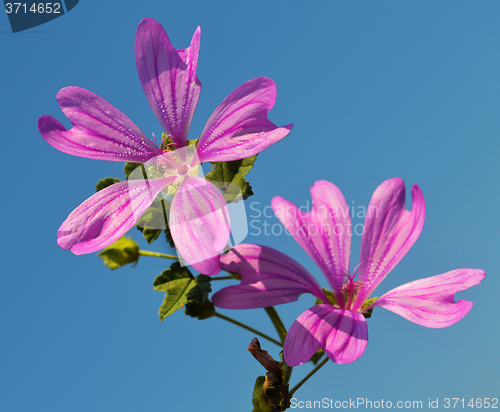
199,223
108,215
430,302
324,233
239,127
389,232
342,334
100,131
168,78
268,278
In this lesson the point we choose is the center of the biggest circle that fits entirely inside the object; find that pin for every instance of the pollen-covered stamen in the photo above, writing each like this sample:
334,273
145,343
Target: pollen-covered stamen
165,160
169,159
166,143
351,286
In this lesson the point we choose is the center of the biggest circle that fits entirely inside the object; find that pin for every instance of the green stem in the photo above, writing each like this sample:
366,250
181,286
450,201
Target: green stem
156,254
278,324
287,370
242,325
317,368
280,328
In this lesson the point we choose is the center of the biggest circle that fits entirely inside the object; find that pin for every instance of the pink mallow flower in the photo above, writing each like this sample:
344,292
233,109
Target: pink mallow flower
338,326
237,129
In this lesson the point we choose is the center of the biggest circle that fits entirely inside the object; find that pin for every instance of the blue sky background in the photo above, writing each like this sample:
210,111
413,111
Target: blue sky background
376,89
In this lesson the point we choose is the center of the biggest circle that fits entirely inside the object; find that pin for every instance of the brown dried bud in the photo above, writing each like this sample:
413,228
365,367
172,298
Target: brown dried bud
273,389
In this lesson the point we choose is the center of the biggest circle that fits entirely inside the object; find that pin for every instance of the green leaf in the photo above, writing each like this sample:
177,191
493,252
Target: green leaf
154,220
120,253
176,296
229,177
150,234
166,141
130,167
317,356
104,183
176,271
259,401
177,281
168,236
368,313
198,310
368,302
198,304
202,289
329,294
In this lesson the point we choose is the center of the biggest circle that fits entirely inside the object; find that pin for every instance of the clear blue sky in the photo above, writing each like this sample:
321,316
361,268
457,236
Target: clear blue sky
376,89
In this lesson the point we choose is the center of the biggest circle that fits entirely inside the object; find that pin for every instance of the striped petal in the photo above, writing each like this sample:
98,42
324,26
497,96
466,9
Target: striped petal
108,215
168,78
100,131
389,232
199,223
268,278
324,233
431,302
239,127
342,334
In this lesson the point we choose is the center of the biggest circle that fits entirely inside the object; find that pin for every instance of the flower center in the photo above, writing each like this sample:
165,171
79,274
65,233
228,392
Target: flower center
351,287
176,163
173,161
